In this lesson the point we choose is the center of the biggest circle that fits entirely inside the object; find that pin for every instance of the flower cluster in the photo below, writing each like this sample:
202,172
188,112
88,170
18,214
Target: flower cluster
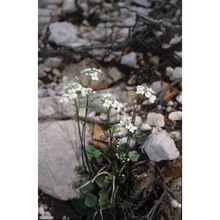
72,90
92,73
147,92
126,123
107,101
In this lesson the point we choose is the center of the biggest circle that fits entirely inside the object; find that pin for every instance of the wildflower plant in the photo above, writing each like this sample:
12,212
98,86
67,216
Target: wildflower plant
105,172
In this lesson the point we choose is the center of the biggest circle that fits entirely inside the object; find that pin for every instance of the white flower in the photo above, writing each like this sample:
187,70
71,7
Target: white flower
140,90
107,101
152,98
126,123
72,90
92,72
147,92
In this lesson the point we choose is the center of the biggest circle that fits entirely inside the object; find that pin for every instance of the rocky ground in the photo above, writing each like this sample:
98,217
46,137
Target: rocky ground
132,46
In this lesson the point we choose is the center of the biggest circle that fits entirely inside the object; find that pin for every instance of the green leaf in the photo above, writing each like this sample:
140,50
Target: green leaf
90,200
93,152
88,188
123,147
78,205
103,200
133,155
140,138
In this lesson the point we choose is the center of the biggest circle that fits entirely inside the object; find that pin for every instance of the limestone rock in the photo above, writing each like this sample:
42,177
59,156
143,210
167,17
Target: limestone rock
155,119
129,59
58,157
159,146
175,116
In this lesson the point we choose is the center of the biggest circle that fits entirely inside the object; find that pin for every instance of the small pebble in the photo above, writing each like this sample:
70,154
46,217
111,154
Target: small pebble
169,71
56,72
41,210
175,116
179,98
175,204
145,127
155,119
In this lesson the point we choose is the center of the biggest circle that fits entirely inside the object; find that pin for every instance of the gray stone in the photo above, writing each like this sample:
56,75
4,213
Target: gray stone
176,39
115,74
56,72
177,73
47,213
51,92
159,146
69,6
155,119
63,33
175,116
41,73
53,61
145,127
169,71
103,116
44,15
51,108
129,59
42,93
59,155
156,86
41,210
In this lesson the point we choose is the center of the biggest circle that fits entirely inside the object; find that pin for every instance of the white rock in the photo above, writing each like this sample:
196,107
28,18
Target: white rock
156,86
179,98
169,71
145,127
41,210
59,155
115,74
177,73
155,119
129,59
69,6
63,33
176,39
175,116
159,146
175,204
46,217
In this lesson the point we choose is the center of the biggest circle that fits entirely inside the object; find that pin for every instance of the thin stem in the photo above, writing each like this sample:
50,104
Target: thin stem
80,134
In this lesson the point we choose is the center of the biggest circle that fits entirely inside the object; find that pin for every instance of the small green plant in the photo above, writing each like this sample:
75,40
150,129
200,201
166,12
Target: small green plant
106,174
